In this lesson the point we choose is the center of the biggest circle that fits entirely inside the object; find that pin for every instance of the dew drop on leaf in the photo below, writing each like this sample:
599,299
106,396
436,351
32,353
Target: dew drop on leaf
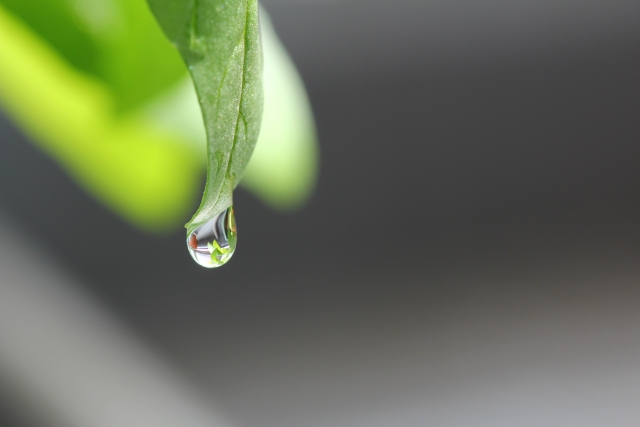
214,242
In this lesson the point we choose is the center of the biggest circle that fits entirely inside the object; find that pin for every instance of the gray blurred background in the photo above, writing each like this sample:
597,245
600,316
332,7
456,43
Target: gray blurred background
471,254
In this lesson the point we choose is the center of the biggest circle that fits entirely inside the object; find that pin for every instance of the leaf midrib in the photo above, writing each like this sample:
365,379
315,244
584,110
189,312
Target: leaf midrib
239,116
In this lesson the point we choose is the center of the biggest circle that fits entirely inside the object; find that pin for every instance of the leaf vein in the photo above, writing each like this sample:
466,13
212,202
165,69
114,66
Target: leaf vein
240,117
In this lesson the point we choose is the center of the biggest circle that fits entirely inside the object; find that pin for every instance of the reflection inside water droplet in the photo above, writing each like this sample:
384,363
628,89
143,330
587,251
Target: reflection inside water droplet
213,243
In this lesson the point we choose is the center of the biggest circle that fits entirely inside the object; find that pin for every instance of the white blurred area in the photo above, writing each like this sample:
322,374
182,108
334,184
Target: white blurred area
67,361
511,356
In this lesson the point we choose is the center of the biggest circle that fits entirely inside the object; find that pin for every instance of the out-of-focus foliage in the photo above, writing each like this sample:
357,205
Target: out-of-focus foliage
284,165
97,86
116,41
144,174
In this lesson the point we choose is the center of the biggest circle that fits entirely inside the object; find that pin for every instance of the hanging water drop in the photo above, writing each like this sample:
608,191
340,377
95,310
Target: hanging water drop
213,243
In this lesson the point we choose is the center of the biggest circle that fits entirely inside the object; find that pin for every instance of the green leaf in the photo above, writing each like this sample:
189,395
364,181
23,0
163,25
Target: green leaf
283,168
135,59
219,41
148,176
57,22
116,41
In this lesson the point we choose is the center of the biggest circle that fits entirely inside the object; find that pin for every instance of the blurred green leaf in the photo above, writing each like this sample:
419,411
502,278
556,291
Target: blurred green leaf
136,60
284,165
220,42
146,175
117,41
57,22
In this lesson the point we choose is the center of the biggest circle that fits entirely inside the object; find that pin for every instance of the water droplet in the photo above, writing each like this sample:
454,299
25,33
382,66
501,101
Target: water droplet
213,243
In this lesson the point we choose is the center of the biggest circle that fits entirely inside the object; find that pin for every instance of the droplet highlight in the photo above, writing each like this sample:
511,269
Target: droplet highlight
214,242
